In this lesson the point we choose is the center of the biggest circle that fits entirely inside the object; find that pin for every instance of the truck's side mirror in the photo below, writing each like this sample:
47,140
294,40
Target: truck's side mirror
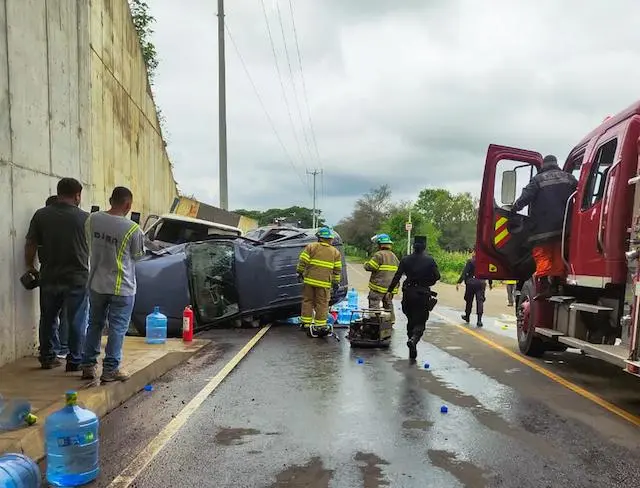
508,190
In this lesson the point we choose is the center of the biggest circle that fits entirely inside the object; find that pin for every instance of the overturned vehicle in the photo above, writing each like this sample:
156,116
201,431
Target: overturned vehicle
226,279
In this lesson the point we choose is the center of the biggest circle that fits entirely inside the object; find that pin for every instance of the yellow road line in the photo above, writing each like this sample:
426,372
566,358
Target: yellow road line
629,417
142,460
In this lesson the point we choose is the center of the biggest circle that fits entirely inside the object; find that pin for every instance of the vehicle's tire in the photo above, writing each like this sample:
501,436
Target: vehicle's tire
529,343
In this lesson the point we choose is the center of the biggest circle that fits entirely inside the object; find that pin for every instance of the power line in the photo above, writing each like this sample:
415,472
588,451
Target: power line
304,83
293,83
264,108
284,95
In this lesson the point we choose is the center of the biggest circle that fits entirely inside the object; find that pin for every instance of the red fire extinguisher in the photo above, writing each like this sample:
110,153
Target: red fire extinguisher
187,324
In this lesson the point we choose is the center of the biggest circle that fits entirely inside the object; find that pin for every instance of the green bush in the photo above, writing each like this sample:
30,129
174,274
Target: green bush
354,252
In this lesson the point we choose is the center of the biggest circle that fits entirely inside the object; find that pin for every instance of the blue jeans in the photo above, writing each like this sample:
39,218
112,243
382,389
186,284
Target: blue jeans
61,339
117,309
70,304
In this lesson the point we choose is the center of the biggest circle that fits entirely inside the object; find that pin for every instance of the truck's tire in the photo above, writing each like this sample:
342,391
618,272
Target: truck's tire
528,341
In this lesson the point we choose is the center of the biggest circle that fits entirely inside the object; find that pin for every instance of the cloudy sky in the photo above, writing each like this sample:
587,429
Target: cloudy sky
405,92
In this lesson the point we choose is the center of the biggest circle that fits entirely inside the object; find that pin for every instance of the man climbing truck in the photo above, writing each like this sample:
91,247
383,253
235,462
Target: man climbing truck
598,309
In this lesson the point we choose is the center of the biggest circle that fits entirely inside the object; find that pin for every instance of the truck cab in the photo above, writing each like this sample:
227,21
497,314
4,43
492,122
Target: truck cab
597,310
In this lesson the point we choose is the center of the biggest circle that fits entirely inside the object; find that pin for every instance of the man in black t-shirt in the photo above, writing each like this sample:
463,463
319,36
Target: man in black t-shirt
61,333
57,233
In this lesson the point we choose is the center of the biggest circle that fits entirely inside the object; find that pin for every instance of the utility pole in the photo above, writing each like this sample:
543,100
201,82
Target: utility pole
315,173
222,111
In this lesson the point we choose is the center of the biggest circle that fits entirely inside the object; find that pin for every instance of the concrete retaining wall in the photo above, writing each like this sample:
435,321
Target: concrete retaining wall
74,101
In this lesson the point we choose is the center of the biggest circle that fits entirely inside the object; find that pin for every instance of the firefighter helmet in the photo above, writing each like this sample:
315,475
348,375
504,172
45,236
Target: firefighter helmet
325,233
383,239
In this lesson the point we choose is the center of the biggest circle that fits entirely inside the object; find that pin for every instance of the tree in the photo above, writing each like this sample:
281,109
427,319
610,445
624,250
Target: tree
394,225
301,216
370,211
454,215
142,21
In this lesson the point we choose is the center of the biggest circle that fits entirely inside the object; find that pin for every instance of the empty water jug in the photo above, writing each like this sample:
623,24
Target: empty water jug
71,444
156,327
19,471
15,413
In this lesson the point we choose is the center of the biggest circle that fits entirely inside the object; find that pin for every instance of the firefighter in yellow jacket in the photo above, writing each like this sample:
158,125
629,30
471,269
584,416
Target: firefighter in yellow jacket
383,266
320,269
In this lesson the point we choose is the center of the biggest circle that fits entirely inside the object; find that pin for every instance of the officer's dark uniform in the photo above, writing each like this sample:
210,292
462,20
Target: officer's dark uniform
422,273
474,288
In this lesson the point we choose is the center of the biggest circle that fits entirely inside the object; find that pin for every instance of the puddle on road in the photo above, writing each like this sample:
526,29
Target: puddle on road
489,418
466,473
234,437
311,475
371,471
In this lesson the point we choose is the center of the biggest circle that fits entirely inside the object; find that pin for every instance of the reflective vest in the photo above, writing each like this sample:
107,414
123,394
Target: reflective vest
320,265
510,282
383,266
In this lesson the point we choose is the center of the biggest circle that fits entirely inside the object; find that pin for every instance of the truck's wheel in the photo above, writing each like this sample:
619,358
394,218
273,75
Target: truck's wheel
528,342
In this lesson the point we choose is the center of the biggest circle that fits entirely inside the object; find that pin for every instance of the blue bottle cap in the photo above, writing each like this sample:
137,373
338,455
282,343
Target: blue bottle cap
360,361
148,387
426,365
156,309
444,409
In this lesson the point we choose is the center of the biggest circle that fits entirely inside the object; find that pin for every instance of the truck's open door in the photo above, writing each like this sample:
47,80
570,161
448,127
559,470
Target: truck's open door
502,249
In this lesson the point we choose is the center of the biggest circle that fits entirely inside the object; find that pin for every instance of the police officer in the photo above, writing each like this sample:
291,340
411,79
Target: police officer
474,288
383,266
320,269
422,273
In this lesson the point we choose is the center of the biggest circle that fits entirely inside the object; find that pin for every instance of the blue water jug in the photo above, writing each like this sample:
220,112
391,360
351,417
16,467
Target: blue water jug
19,471
15,413
344,314
71,444
156,327
352,299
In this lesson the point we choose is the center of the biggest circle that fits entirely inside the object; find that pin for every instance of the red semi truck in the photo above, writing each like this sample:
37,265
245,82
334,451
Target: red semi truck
598,310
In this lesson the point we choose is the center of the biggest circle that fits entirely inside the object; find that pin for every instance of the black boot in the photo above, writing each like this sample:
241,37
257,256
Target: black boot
465,318
413,350
545,289
479,324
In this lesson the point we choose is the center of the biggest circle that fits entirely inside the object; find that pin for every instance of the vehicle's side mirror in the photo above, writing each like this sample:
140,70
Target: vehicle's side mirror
508,190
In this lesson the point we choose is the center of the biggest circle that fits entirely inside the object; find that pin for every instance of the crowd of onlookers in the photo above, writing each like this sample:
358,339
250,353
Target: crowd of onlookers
86,279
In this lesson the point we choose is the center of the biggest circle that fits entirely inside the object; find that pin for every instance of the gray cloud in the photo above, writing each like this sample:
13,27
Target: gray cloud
408,93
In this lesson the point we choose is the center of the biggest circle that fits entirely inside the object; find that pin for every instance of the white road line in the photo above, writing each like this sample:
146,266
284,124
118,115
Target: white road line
142,460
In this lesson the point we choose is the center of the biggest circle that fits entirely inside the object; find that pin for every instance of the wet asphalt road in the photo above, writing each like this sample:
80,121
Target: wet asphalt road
302,412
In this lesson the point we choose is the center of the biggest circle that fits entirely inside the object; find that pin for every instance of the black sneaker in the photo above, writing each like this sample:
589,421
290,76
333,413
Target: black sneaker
54,363
465,318
413,351
71,367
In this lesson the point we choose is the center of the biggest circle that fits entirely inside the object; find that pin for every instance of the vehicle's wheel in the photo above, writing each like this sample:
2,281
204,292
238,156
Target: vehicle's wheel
528,342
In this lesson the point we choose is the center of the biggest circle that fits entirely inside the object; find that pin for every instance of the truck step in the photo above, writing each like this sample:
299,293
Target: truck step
552,334
589,307
617,355
561,299
633,367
